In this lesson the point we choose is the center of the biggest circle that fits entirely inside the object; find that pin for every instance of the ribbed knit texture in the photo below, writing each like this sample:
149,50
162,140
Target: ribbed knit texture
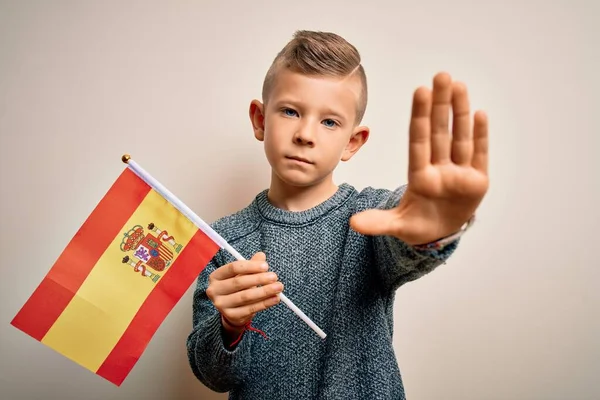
344,281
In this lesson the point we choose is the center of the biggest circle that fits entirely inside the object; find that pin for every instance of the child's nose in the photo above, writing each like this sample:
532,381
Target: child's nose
304,135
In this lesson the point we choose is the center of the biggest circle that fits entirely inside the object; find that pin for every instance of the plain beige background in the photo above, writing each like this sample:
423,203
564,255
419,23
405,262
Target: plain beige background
514,315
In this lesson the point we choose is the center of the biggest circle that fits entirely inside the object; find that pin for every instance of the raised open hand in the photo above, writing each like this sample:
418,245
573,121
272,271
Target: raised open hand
448,168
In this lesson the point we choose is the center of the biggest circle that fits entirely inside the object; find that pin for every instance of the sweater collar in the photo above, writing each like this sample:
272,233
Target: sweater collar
269,212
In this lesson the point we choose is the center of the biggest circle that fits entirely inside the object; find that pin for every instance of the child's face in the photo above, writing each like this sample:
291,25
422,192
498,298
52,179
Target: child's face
309,126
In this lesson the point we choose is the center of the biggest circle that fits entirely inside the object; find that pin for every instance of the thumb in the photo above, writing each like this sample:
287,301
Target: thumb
375,222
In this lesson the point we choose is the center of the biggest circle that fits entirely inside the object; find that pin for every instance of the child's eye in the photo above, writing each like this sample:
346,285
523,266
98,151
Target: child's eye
330,123
289,112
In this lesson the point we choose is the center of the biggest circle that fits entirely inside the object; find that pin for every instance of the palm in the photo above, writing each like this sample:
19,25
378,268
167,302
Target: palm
447,174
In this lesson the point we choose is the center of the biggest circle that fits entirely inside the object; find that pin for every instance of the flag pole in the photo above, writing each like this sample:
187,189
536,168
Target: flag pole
185,210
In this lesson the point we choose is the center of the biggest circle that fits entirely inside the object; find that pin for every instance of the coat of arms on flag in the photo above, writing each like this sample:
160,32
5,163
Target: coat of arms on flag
151,250
120,275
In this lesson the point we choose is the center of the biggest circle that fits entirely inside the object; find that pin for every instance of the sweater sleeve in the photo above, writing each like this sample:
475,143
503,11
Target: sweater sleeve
399,263
218,367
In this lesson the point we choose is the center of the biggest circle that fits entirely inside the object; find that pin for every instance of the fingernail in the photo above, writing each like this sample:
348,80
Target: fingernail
271,276
264,266
279,287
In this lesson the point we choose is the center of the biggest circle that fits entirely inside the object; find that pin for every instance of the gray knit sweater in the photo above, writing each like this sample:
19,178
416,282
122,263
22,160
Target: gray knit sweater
344,281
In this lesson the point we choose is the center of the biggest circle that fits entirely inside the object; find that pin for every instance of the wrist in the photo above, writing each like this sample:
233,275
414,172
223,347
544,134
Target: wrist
230,327
443,242
232,333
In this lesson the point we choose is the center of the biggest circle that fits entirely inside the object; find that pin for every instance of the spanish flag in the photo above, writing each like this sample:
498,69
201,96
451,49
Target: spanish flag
116,281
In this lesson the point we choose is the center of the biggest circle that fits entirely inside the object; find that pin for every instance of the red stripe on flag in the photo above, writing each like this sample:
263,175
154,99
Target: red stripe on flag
79,257
168,291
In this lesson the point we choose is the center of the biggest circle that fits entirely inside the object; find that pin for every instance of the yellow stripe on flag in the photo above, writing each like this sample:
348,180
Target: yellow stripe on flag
98,315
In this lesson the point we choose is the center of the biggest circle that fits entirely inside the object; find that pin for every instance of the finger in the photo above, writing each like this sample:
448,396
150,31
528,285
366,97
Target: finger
243,282
260,256
480,142
242,313
419,147
373,222
462,144
255,265
376,222
249,296
440,114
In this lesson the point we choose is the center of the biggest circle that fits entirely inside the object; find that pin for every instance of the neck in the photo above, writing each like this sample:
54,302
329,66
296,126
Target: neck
299,198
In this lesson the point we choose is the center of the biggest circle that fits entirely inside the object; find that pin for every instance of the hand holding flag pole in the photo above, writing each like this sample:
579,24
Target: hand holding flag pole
185,210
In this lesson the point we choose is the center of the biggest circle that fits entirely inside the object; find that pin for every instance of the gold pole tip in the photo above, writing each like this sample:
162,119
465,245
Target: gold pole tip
126,158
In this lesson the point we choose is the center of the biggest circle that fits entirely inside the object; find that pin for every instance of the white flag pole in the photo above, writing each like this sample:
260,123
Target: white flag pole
185,210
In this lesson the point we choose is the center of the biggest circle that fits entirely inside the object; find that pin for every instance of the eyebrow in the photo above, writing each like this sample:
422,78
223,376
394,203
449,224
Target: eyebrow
298,104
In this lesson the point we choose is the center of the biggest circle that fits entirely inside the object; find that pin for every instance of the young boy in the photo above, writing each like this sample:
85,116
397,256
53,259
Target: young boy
341,253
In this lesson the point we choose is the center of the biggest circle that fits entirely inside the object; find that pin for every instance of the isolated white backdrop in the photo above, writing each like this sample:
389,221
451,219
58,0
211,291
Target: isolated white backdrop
514,315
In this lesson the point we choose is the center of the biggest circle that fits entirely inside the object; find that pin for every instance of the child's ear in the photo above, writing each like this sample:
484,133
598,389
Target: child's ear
358,138
257,118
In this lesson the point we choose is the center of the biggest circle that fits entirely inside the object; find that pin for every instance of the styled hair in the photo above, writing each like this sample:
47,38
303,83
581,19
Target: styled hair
315,53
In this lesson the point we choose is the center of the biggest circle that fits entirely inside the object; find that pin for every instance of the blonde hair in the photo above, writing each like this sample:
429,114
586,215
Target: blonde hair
319,54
